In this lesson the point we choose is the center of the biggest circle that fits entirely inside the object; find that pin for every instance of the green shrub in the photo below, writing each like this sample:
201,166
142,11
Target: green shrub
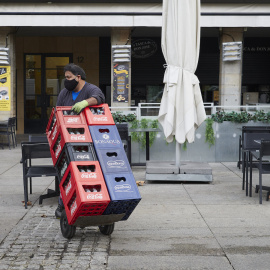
140,137
241,117
119,117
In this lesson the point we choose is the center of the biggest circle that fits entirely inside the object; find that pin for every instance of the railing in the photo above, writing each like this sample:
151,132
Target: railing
151,110
248,108
126,110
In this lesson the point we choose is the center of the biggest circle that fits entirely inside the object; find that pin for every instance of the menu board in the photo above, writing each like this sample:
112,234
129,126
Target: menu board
4,88
120,82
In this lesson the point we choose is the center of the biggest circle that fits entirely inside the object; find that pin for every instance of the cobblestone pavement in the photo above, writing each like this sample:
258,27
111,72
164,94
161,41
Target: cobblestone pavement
179,226
36,243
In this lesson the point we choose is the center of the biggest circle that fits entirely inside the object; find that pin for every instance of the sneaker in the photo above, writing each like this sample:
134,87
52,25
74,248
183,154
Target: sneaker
58,211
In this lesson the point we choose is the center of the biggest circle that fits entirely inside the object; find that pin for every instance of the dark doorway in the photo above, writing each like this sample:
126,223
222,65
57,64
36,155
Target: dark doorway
44,77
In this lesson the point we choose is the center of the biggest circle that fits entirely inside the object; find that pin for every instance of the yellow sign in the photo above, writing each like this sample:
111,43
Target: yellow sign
120,71
216,96
4,88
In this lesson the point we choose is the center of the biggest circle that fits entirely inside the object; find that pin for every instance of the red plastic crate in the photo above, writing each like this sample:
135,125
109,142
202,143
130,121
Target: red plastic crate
56,147
79,206
51,123
79,202
61,164
66,136
105,118
73,175
68,119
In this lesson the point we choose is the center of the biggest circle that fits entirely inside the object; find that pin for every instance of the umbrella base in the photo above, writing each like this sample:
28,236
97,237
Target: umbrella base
189,171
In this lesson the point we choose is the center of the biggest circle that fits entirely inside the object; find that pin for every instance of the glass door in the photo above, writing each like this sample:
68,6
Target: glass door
44,77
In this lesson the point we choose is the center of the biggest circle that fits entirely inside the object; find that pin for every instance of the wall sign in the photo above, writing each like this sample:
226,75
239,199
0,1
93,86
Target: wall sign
120,82
143,48
257,49
4,88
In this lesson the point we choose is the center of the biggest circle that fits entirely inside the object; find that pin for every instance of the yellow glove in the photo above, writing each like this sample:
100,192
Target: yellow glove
79,106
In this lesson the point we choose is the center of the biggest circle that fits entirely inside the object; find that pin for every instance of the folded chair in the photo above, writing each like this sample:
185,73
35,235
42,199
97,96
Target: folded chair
264,168
36,138
6,129
13,129
249,129
251,143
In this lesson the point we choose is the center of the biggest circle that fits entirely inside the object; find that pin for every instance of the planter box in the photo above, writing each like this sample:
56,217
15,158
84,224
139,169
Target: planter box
225,148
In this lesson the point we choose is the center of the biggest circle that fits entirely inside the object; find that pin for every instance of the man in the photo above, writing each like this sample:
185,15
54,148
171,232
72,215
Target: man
79,94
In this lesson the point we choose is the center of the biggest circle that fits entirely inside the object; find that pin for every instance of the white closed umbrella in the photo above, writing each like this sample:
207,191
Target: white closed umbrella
181,110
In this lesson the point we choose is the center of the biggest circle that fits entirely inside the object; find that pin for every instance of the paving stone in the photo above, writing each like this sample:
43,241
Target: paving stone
193,230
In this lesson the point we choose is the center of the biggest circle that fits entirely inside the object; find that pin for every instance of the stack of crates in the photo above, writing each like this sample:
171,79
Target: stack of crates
82,185
114,164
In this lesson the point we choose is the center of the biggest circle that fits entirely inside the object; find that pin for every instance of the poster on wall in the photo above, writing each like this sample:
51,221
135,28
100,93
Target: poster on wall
4,88
143,48
120,82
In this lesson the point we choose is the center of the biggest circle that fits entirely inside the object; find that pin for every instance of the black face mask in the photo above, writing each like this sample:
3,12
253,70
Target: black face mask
70,85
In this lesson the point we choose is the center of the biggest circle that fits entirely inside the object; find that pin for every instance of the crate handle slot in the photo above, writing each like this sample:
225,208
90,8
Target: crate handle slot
86,168
89,188
76,131
80,149
66,182
111,154
72,201
98,110
104,130
68,112
120,179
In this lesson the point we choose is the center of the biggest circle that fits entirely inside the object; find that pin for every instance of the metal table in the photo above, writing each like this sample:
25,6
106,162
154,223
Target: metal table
146,130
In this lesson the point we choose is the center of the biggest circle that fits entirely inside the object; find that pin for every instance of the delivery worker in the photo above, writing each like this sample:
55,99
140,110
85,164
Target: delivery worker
79,94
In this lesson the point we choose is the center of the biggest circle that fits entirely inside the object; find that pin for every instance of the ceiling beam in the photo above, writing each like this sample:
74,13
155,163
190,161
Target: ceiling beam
134,1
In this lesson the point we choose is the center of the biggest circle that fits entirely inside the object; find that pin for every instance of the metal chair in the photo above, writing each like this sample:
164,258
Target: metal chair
249,129
13,126
6,129
250,144
36,138
37,150
264,168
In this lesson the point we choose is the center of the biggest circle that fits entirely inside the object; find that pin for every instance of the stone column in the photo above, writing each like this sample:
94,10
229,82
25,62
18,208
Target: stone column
7,40
230,75
120,36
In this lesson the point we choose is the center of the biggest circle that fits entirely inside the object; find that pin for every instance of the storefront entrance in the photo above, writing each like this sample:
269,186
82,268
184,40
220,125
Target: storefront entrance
43,79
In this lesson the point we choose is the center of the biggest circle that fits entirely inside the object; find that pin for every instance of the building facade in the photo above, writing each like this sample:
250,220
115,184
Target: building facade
43,36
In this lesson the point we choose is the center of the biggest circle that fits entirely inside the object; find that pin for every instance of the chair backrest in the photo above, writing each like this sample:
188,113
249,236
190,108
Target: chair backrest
10,124
10,121
255,128
252,141
33,150
38,138
265,148
13,121
123,131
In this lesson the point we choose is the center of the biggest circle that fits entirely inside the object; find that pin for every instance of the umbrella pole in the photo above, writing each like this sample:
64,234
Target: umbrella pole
177,154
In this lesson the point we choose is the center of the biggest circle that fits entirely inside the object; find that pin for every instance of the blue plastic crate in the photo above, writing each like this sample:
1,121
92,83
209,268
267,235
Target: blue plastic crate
122,186
105,137
120,207
113,160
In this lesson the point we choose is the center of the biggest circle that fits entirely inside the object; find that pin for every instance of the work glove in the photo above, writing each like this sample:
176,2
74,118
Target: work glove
79,106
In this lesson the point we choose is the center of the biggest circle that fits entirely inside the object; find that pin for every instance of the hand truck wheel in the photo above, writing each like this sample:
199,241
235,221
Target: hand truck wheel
106,229
68,231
